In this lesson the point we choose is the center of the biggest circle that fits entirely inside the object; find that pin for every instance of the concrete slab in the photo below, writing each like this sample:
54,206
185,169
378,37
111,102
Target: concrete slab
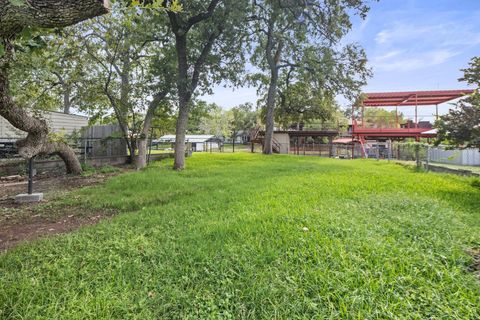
28,198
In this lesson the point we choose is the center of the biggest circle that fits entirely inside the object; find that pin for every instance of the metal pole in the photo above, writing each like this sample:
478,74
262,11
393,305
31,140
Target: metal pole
30,175
416,111
85,141
233,141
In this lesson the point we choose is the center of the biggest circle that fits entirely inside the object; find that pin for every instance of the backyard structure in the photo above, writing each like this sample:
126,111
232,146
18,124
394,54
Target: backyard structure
309,141
199,142
362,131
416,129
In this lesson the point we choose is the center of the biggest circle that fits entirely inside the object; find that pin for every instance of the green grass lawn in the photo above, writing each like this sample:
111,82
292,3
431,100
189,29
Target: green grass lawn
227,238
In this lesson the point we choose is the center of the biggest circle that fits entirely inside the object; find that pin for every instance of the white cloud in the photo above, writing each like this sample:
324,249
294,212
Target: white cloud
389,55
392,62
383,36
430,41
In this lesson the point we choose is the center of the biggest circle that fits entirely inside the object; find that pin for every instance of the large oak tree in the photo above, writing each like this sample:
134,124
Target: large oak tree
210,41
303,36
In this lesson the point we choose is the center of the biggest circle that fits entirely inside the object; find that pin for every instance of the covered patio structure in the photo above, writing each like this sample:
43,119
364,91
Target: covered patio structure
362,130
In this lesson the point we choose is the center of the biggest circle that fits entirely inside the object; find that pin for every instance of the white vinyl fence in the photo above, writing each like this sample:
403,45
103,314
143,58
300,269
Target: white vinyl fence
466,157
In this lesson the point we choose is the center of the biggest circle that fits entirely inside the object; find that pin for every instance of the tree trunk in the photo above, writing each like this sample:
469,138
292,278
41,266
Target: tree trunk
46,14
183,102
132,149
269,118
67,101
141,159
273,62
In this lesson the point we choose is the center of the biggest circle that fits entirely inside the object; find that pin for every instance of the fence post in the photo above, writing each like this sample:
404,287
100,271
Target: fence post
417,155
389,149
428,158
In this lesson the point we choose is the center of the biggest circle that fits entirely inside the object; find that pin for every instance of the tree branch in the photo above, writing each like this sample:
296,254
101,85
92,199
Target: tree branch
47,14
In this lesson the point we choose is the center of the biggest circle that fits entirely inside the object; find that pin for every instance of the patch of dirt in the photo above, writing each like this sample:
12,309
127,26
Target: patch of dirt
36,226
52,181
24,222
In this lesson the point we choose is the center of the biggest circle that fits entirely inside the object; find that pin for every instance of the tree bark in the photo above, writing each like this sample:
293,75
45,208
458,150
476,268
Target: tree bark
67,101
183,101
141,159
273,62
46,14
269,117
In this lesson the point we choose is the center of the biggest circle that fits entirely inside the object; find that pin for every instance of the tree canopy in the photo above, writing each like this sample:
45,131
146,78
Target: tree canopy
461,126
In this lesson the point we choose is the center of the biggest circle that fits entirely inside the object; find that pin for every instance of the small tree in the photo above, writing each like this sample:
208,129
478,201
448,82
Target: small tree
128,58
216,122
461,126
243,118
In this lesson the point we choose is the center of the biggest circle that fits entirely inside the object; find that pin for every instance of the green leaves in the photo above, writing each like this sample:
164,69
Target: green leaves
158,5
461,126
18,3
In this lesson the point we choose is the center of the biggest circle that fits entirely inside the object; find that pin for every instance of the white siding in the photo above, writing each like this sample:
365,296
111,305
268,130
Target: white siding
467,157
284,140
58,122
67,123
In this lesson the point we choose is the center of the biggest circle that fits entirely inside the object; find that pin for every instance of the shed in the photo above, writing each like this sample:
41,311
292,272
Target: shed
199,142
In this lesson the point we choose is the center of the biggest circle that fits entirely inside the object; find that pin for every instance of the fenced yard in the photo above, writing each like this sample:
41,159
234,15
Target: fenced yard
250,236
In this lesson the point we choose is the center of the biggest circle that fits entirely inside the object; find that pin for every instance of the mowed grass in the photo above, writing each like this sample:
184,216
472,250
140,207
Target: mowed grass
227,239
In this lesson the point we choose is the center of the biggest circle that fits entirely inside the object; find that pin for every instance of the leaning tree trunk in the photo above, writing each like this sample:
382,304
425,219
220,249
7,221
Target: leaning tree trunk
14,17
141,159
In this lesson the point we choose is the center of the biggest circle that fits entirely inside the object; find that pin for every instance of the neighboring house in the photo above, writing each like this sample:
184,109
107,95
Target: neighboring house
199,142
58,122
241,137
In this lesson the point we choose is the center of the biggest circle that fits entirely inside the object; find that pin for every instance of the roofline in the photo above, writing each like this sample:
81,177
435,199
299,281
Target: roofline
412,98
436,92
68,114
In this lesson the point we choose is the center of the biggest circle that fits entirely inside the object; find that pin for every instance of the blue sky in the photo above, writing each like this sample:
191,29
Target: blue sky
410,45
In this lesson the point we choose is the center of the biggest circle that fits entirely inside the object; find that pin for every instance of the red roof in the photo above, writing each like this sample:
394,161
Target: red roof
413,98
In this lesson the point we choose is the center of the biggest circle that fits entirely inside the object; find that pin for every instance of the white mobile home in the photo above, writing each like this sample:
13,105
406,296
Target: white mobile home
199,142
